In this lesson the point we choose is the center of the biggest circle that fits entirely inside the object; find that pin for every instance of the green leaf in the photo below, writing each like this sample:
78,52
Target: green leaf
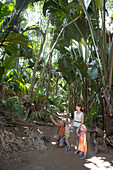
10,49
3,10
11,7
33,27
98,4
22,85
15,38
12,41
2,69
9,62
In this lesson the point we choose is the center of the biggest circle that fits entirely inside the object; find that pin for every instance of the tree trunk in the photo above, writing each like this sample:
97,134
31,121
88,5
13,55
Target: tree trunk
35,67
108,113
37,60
69,98
86,96
101,102
73,98
57,78
47,91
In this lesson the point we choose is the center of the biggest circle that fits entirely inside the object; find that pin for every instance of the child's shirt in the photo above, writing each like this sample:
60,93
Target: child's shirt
61,130
67,129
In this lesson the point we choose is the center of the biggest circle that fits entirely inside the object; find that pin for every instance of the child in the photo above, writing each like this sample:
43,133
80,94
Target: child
82,141
77,121
67,134
60,137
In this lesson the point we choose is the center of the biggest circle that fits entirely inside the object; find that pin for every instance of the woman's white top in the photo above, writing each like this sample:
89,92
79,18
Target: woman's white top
77,119
67,129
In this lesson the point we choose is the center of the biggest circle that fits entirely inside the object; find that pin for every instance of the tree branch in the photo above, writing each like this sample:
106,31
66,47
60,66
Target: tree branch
50,55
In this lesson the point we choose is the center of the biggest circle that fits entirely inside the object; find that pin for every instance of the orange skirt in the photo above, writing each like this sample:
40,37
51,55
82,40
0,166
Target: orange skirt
81,147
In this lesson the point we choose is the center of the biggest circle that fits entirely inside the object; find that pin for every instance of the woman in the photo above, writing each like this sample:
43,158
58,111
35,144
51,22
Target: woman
77,121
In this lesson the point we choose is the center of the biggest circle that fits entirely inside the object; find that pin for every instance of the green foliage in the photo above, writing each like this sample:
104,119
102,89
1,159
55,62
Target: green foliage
91,116
7,64
67,68
2,70
19,110
54,6
98,4
10,101
11,48
17,38
109,4
62,13
12,41
56,109
19,3
13,104
75,61
38,114
5,9
21,83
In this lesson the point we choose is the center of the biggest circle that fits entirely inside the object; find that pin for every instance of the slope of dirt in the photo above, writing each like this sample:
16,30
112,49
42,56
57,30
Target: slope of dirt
54,158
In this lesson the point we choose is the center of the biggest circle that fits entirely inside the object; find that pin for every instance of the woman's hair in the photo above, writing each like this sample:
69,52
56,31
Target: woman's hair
84,127
79,105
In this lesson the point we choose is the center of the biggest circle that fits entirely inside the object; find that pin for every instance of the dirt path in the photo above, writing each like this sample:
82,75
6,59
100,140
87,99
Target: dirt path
55,158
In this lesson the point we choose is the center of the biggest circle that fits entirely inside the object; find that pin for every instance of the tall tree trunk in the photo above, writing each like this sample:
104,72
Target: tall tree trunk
101,102
111,75
18,45
35,67
86,95
47,91
75,96
108,113
69,93
38,58
57,78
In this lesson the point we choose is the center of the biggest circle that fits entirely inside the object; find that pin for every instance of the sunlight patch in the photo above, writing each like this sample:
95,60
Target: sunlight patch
53,143
96,163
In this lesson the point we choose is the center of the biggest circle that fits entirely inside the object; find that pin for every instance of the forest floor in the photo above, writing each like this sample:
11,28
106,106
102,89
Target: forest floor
55,158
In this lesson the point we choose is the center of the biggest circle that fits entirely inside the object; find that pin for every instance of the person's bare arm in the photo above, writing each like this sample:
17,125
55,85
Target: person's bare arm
53,120
72,122
82,117
62,139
